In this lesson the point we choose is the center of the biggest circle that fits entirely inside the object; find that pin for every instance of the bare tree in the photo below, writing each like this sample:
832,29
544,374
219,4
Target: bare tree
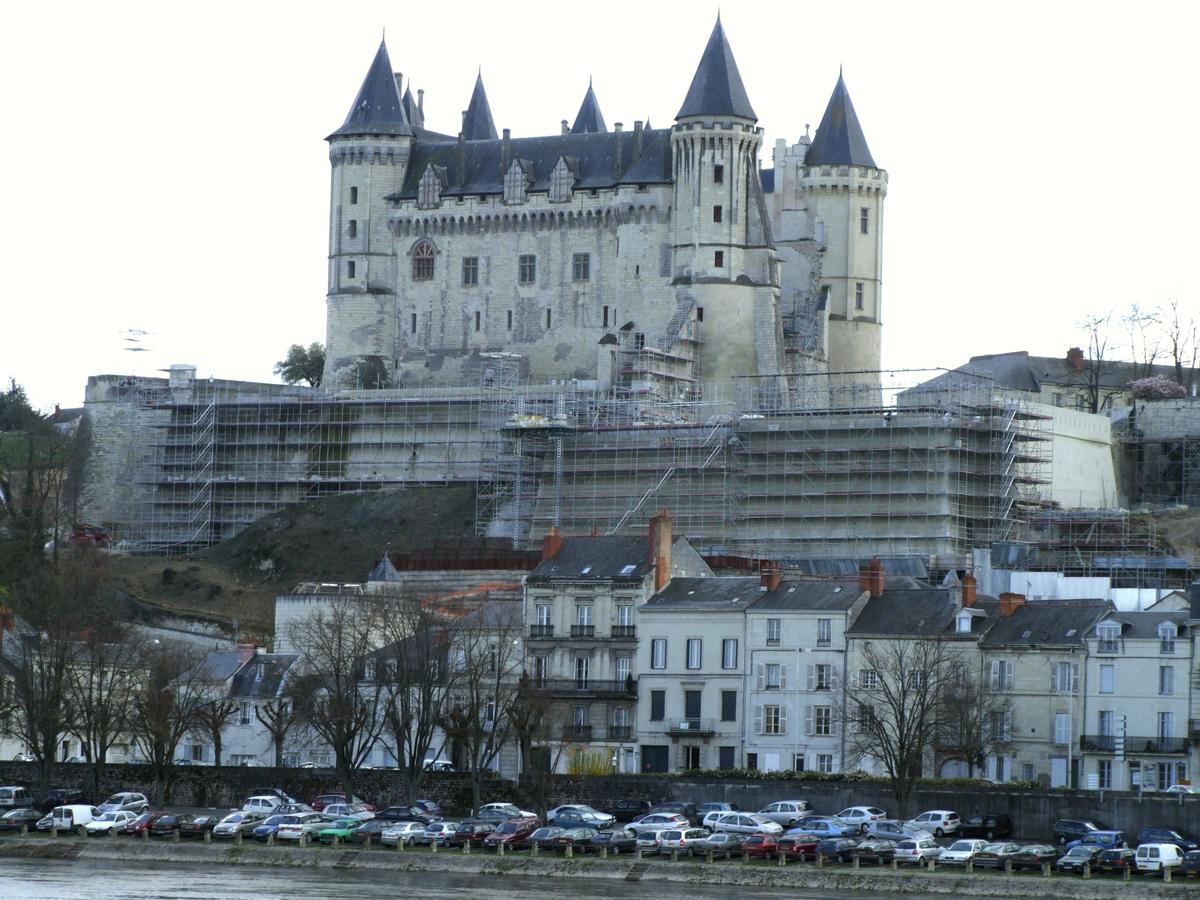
336,693
1182,335
974,722
488,661
212,716
165,708
1096,363
1142,327
893,714
278,716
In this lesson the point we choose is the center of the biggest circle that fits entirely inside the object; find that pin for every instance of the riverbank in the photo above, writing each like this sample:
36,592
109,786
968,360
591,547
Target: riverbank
839,880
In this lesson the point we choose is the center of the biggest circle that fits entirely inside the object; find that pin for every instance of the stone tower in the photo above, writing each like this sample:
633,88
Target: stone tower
369,156
723,256
846,190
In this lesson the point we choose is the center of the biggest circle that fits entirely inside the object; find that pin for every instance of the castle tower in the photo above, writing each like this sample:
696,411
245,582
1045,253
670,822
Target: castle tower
589,119
846,191
369,157
723,255
478,124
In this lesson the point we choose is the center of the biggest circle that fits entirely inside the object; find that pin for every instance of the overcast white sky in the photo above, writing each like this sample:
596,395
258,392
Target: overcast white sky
165,170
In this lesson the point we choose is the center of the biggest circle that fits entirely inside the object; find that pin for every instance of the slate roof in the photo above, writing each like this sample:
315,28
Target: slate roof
731,594
594,155
1018,370
220,665
907,608
747,592
247,685
1144,625
717,88
478,124
378,108
589,120
605,558
839,140
416,118
1041,622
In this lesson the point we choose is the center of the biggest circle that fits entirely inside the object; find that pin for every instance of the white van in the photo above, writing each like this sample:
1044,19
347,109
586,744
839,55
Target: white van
14,797
66,818
1155,857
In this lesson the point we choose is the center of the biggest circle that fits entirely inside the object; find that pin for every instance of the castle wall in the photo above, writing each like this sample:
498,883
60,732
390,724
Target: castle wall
1083,475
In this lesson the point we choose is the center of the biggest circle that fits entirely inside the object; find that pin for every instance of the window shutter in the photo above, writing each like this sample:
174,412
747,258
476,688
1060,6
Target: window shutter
835,678
812,678
1075,678
783,676
783,720
760,674
1008,717
758,718
808,720
995,674
854,679
1009,672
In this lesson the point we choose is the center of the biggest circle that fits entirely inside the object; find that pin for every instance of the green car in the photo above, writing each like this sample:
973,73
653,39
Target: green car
339,828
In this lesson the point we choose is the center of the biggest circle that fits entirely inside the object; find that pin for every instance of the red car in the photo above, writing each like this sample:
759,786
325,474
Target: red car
513,833
761,846
141,823
474,833
797,846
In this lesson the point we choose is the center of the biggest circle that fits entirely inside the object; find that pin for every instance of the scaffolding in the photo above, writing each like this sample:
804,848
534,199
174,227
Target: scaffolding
1160,440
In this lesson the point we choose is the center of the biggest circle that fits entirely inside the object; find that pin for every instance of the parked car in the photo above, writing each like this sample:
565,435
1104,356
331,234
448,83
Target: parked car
508,811
1156,834
70,815
648,841
106,824
836,849
164,825
1074,858
826,828
61,797
627,810
724,841
438,765
406,814
235,823
1031,856
684,841
618,841
716,806
876,850
1067,830
1182,789
785,812
582,813
348,811
198,826
578,839
395,832
472,831
986,825
14,819
992,856
141,823
741,823
657,822
1156,857
760,846
44,823
1105,840
917,852
339,828
939,821
264,804
283,796
265,829
687,810
512,834
1123,858
319,802
24,757
438,832
125,801
959,852
293,826
431,808
891,830
862,816
797,844
14,796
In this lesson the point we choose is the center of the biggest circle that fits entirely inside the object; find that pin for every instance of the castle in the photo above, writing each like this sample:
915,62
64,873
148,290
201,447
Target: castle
660,260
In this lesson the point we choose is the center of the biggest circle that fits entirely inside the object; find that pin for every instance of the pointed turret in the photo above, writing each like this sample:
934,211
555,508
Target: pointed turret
840,140
412,109
377,109
478,124
589,120
717,88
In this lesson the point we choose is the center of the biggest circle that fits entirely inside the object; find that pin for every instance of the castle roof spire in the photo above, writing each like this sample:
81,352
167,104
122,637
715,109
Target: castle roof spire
478,124
717,87
839,140
589,119
377,109
412,109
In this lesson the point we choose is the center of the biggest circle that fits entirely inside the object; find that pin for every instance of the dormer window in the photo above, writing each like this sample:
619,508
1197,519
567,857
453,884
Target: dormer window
1167,632
516,182
1108,634
562,180
429,189
963,624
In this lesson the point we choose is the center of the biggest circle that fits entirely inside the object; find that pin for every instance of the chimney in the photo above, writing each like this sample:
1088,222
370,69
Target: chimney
551,543
244,652
1194,593
462,160
506,151
637,140
617,127
969,588
1075,359
421,99
770,575
1010,603
659,549
871,577
566,129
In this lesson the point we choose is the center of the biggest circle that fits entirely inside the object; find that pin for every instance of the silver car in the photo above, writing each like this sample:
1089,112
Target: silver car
785,812
125,801
682,840
741,823
724,840
437,833
656,822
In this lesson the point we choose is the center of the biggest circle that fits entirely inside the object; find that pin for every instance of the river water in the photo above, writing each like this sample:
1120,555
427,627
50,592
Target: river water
23,879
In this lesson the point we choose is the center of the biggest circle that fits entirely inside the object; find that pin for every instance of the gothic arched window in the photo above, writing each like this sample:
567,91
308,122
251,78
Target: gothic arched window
422,262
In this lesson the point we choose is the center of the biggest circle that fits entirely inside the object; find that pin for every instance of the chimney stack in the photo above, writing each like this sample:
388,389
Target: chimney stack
566,129
969,588
245,651
770,575
506,151
421,99
659,549
871,577
462,160
617,163
1075,359
637,140
551,543
1010,603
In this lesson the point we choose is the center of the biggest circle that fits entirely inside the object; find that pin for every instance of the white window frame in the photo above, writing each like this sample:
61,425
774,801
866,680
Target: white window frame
695,653
774,632
658,653
729,653
824,632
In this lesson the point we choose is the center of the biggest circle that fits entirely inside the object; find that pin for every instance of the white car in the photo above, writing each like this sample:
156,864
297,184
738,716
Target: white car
917,852
125,801
263,803
959,852
862,816
592,816
511,810
408,832
108,823
786,812
1182,789
437,833
741,823
292,827
656,822
938,821
438,765
348,811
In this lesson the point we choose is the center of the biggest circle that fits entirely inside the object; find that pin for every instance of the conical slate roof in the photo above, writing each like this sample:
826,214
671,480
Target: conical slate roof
377,109
589,120
416,118
839,140
717,88
477,123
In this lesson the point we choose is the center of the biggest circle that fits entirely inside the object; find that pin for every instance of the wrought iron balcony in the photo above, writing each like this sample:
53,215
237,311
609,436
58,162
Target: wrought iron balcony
691,727
624,632
587,631
541,631
583,687
1134,744
620,732
577,732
